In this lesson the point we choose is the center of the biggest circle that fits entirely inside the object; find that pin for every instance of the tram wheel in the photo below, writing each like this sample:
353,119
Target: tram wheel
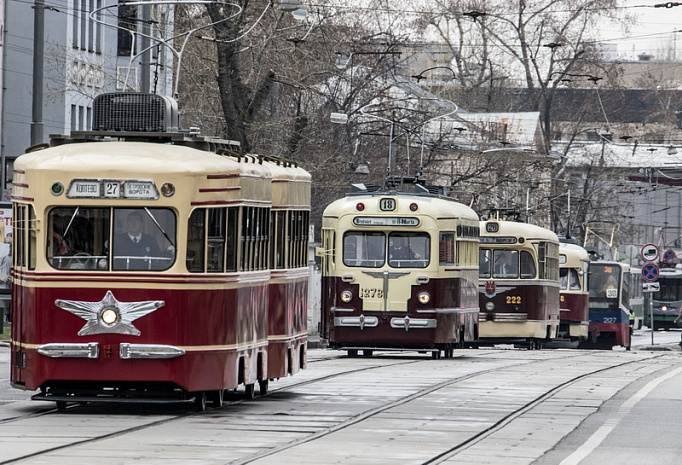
263,385
200,401
367,353
435,354
352,353
217,398
61,405
249,391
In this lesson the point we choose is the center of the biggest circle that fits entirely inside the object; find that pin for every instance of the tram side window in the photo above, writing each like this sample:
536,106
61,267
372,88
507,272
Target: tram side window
216,239
144,239
195,241
446,249
279,231
364,249
24,237
484,261
78,238
408,250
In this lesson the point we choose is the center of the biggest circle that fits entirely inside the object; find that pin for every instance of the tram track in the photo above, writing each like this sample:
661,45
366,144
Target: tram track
377,363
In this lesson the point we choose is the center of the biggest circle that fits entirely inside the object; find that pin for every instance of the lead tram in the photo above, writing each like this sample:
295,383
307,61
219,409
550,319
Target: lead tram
217,297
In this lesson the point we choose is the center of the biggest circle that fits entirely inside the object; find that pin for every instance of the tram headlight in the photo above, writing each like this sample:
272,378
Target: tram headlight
109,317
489,306
414,207
360,207
346,296
664,308
424,298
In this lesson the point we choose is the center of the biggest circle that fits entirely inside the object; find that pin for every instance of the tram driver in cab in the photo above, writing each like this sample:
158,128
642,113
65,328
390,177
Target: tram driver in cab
134,249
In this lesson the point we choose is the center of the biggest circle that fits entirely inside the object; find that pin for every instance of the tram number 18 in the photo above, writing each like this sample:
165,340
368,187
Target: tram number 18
387,205
371,293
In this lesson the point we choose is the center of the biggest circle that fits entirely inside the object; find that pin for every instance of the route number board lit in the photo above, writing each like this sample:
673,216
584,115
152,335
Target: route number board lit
387,205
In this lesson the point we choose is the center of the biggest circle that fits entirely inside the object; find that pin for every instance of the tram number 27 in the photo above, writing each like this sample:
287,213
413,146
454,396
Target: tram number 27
514,299
371,293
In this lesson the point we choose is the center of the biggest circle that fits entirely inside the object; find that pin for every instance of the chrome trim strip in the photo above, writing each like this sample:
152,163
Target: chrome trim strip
129,351
337,309
417,323
357,321
509,316
67,350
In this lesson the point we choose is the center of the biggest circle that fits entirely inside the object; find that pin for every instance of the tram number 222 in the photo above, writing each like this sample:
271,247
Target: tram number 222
514,299
371,293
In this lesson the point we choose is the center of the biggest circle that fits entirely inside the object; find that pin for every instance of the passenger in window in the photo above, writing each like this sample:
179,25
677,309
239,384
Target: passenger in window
135,243
399,250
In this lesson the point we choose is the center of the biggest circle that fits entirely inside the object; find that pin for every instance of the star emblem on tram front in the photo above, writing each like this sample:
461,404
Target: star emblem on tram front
109,316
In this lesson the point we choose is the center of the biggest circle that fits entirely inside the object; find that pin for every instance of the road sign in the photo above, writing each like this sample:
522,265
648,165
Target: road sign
649,253
651,287
650,272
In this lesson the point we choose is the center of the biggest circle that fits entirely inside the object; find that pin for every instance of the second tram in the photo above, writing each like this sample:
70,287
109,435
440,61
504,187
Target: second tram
399,272
518,283
609,306
574,296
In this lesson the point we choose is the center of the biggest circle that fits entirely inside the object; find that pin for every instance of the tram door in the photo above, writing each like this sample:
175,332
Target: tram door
23,256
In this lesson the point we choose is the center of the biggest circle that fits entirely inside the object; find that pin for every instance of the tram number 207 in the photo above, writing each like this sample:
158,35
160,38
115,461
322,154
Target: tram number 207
371,293
610,319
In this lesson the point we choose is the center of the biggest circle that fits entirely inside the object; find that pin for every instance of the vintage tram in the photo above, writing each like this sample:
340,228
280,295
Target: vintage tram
574,311
518,283
399,272
609,306
152,264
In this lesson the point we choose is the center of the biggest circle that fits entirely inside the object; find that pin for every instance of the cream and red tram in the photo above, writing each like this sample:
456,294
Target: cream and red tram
574,312
399,272
212,296
518,283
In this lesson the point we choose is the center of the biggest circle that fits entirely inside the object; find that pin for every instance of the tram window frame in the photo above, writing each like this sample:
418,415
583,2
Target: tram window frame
161,223
527,265
446,249
484,262
511,258
364,250
420,251
78,238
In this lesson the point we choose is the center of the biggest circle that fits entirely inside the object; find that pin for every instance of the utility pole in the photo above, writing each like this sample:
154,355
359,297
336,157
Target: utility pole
38,57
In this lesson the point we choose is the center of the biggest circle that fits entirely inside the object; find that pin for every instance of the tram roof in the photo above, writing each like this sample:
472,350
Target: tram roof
574,252
518,229
429,204
145,157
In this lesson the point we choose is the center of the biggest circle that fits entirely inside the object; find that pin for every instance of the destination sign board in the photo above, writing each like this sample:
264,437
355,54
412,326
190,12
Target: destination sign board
112,189
385,221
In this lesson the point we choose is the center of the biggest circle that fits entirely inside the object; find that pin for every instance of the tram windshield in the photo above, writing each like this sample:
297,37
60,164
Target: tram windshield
569,279
79,238
671,289
505,264
604,281
371,249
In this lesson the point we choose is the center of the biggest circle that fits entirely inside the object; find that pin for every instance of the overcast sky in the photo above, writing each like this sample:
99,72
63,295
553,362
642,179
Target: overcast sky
653,32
